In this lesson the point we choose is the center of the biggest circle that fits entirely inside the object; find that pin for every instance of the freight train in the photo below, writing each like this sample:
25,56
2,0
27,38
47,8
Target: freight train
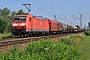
28,25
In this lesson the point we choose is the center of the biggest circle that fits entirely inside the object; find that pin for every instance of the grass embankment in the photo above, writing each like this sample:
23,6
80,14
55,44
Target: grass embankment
6,35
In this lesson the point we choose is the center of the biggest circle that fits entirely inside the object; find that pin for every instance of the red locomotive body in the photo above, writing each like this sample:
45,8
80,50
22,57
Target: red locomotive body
19,24
39,26
27,25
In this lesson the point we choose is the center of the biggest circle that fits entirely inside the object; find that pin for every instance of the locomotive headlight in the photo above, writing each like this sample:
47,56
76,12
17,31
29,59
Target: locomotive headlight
14,24
23,24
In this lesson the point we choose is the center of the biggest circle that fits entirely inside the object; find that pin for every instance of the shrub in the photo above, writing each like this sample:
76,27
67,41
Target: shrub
2,26
87,33
72,40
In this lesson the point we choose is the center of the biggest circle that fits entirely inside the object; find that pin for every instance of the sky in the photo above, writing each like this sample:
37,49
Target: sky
66,11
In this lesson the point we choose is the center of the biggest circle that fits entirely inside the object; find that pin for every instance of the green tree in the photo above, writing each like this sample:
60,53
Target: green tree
0,12
2,26
77,26
12,13
5,16
89,24
5,11
20,12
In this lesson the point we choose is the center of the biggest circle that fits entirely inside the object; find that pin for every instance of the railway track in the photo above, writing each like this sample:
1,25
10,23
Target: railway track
13,41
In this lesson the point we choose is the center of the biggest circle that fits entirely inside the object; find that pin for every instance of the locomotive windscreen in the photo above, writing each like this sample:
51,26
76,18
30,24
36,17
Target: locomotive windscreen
19,18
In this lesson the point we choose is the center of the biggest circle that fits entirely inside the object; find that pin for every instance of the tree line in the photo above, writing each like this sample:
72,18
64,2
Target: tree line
6,18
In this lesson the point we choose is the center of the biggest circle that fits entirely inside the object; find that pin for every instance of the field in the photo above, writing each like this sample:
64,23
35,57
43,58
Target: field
75,47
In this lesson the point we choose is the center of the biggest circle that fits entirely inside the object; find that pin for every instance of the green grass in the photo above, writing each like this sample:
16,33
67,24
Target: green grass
84,47
6,35
81,43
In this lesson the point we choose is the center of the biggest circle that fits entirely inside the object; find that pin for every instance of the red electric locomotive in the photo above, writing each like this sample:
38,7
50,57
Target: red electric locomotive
26,24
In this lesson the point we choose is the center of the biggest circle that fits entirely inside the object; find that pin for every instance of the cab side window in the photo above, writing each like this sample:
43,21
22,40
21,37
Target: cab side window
30,19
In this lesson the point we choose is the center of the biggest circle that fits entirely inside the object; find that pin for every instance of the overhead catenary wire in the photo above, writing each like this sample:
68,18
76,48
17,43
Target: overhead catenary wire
41,10
58,9
51,5
37,8
45,10
55,7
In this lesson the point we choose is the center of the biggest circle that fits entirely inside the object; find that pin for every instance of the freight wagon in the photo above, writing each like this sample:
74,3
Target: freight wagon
60,27
53,26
